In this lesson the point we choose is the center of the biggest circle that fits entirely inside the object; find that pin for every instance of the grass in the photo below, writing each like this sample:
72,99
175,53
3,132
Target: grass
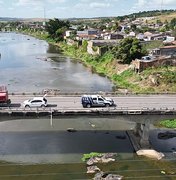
90,155
153,45
168,123
164,17
128,79
107,65
167,17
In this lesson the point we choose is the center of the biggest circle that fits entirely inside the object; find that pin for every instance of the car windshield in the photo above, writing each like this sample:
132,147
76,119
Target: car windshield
103,97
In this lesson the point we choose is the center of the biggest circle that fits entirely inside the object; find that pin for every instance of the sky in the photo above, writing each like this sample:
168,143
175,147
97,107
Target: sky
79,8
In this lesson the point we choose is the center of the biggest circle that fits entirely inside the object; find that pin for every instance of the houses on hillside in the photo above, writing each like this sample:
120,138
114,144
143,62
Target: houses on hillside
138,65
99,40
164,51
161,56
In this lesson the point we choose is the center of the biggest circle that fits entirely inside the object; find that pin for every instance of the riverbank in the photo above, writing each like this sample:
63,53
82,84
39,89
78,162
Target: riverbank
122,76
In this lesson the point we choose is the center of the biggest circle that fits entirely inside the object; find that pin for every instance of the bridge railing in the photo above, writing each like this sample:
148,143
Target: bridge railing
53,92
110,109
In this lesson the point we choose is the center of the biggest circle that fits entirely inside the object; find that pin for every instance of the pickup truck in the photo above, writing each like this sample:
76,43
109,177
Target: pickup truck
4,98
96,101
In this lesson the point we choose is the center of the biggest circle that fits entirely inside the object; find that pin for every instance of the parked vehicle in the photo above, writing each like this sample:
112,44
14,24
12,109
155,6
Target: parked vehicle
4,97
35,102
96,101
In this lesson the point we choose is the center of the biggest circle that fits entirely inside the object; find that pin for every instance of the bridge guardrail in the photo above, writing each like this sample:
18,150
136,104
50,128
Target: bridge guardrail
82,93
110,109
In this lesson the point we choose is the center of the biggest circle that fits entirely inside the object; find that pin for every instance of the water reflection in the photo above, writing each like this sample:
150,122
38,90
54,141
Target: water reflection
37,140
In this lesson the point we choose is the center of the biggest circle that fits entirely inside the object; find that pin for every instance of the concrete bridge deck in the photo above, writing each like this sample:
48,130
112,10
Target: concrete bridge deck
136,115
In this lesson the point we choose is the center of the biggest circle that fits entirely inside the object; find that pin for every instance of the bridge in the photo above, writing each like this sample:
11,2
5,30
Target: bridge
143,110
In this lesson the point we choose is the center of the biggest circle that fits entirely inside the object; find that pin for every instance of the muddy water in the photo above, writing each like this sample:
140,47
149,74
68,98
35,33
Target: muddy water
31,65
44,149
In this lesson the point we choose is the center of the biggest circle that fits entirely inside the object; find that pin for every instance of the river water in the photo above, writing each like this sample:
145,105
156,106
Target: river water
43,149
31,65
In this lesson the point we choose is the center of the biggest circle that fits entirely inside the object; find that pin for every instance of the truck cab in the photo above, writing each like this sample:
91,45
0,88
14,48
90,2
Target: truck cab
4,98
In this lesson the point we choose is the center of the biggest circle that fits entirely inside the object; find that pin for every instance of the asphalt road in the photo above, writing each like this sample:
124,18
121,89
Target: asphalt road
122,102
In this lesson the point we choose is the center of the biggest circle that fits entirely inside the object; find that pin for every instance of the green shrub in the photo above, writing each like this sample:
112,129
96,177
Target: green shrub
90,155
169,123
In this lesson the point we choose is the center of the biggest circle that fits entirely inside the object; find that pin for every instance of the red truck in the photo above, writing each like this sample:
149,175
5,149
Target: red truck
4,97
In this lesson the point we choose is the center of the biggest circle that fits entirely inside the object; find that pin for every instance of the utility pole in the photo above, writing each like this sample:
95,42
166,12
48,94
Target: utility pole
161,5
44,15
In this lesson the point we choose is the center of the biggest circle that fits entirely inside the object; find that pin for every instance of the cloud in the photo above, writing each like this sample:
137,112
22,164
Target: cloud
160,2
29,2
169,2
56,1
97,1
87,4
141,3
1,2
99,5
146,5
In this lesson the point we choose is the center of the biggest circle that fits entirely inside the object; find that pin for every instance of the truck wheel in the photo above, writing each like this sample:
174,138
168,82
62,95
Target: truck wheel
88,105
107,105
8,102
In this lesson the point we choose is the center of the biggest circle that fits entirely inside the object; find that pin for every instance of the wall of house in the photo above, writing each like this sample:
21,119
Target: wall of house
94,50
99,47
139,65
167,51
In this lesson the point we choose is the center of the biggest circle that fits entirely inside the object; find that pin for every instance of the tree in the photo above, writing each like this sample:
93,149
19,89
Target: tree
133,27
129,49
174,33
60,34
55,28
80,28
173,23
115,26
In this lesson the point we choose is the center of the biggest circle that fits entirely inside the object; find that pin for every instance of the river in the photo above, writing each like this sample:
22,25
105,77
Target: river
39,149
31,65
44,149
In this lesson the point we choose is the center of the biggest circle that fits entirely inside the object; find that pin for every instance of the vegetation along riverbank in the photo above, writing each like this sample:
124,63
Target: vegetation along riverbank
115,61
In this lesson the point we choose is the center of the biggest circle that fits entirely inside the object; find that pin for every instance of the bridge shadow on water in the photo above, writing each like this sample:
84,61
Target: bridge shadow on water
48,142
73,136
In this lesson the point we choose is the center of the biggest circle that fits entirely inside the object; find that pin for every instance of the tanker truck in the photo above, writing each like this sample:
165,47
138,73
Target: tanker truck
4,97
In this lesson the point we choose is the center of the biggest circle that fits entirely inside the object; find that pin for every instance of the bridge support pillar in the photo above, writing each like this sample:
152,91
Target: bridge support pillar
144,140
137,129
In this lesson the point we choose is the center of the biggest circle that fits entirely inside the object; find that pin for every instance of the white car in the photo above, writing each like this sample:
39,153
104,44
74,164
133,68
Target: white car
35,102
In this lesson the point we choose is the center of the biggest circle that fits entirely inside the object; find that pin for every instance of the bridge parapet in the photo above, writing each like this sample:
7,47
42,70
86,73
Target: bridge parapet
120,111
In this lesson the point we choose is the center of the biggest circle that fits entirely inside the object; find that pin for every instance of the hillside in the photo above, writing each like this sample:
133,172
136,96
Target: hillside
152,80
8,19
164,17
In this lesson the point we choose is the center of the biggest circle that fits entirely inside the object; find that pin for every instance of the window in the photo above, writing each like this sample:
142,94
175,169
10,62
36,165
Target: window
36,101
100,99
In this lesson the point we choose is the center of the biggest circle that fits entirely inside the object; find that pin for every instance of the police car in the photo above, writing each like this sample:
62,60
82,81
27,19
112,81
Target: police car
96,101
